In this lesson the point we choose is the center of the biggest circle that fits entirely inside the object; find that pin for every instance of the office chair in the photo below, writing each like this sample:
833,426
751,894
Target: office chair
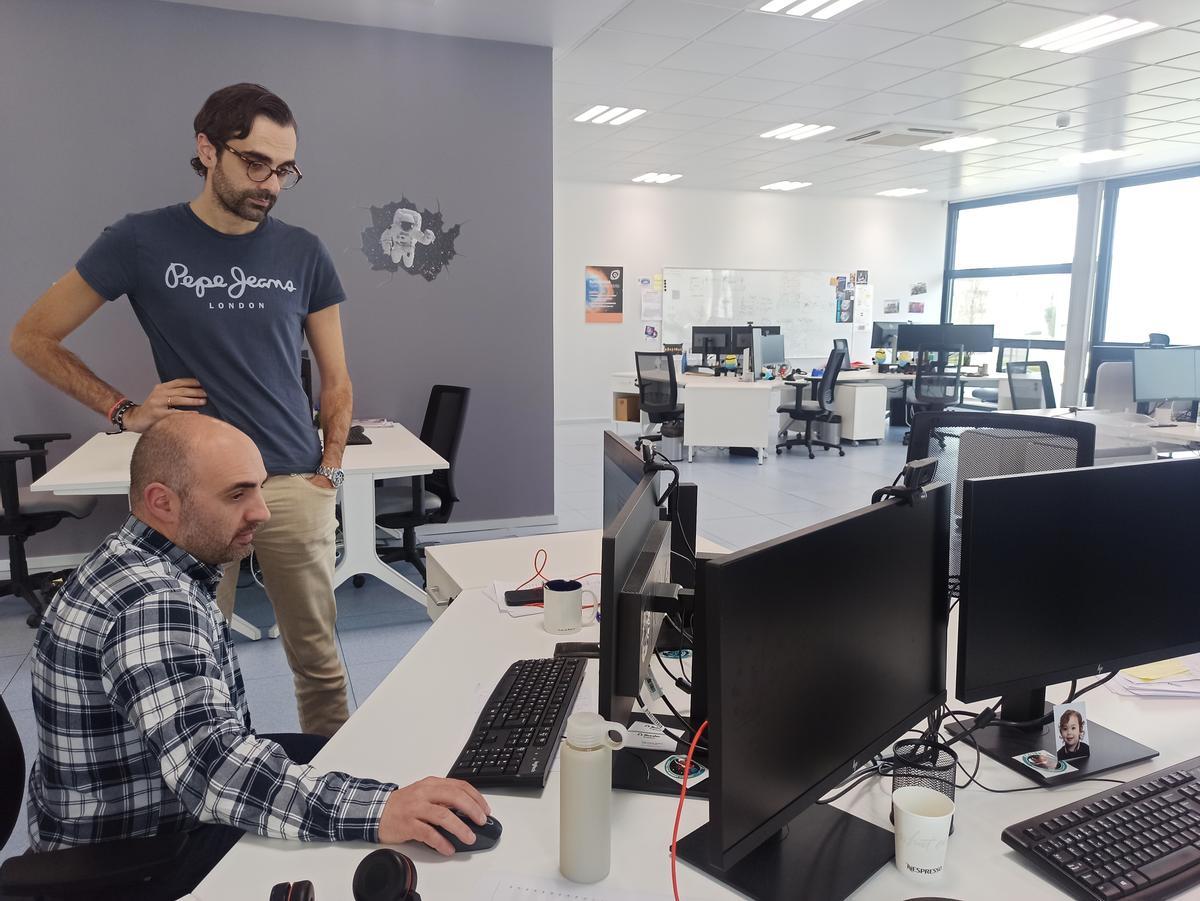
970,445
1026,393
1114,386
658,389
27,512
442,430
101,870
812,411
938,384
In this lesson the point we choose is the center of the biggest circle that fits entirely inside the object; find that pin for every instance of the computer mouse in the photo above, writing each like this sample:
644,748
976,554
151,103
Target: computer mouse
486,835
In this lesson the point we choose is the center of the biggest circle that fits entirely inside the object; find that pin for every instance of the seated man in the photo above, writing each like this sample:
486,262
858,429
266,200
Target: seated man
143,727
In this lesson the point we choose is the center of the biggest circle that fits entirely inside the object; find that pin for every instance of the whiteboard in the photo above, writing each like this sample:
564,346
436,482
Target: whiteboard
802,302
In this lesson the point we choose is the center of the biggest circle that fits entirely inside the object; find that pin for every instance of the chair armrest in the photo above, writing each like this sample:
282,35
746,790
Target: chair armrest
38,442
10,504
88,869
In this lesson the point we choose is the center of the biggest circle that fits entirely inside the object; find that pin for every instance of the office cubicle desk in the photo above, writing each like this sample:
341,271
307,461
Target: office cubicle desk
405,731
101,466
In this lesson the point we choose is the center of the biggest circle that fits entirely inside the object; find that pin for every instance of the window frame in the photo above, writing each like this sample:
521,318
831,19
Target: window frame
1108,226
949,273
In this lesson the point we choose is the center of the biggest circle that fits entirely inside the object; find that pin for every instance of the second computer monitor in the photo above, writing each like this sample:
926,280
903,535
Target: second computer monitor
772,350
1165,373
884,334
972,338
712,339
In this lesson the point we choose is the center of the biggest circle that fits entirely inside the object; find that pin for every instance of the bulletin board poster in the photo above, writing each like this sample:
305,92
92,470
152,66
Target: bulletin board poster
604,293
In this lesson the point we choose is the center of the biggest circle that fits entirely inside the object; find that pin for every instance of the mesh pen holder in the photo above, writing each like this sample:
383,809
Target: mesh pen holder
926,764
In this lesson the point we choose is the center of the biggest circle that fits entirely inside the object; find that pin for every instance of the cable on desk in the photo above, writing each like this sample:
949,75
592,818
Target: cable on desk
538,568
687,768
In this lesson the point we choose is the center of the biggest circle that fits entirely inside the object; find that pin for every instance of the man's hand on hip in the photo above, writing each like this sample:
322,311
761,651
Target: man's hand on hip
319,480
412,812
175,396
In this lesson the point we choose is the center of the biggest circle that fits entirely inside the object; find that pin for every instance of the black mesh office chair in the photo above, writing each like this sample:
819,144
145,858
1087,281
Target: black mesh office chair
395,508
938,383
817,410
658,388
28,512
104,870
969,445
1027,393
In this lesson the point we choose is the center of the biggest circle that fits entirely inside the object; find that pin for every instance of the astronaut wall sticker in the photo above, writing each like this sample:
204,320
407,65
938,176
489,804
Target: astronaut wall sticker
401,237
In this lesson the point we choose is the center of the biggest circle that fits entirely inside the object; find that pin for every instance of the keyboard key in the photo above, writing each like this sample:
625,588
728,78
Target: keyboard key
1124,884
1108,890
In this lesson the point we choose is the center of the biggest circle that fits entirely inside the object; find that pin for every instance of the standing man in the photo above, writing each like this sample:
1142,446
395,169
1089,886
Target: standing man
225,294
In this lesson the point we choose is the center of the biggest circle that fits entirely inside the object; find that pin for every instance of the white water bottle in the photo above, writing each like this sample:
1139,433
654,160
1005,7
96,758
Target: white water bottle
585,797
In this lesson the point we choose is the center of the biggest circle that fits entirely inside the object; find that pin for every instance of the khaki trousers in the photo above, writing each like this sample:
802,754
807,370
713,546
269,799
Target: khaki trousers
295,550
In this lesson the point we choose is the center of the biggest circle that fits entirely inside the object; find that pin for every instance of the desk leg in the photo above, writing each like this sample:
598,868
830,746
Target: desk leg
251,631
358,538
762,455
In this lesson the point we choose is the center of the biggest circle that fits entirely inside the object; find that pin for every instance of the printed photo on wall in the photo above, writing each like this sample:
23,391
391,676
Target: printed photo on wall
841,283
916,306
1071,722
402,237
918,288
891,306
651,332
603,294
860,277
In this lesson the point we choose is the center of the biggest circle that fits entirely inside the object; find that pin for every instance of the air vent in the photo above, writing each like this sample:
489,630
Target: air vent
893,135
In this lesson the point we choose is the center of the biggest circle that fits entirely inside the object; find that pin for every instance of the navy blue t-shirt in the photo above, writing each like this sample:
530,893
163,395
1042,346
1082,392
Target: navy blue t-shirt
228,311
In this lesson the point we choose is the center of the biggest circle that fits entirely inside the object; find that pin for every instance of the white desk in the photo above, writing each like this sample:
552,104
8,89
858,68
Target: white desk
101,466
404,732
1116,431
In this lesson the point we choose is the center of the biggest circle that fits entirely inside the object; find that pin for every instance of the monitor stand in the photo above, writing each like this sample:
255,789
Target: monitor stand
1109,750
634,768
823,853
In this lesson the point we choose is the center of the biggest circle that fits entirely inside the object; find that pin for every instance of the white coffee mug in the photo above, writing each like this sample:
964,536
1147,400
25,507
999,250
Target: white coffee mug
922,821
562,606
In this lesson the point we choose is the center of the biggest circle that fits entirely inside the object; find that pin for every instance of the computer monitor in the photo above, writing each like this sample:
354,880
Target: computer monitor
884,334
772,350
623,470
712,339
972,338
1165,373
815,664
1058,582
844,346
742,336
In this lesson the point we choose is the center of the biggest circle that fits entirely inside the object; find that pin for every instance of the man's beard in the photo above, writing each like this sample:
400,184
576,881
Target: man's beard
202,541
239,202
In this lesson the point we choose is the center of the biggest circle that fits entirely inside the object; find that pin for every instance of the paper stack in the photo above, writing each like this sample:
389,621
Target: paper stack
1176,678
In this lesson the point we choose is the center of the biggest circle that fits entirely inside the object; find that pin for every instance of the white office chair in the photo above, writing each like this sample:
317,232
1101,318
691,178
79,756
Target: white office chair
1114,387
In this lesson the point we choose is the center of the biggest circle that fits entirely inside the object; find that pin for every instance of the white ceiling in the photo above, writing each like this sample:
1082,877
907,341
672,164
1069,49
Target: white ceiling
714,74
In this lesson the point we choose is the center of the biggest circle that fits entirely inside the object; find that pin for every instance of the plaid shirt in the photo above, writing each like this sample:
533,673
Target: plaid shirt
142,721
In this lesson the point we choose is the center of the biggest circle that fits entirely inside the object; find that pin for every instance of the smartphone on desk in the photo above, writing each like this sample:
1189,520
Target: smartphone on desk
523,597
1162,425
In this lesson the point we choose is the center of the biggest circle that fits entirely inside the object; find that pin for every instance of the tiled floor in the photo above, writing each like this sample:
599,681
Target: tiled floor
741,503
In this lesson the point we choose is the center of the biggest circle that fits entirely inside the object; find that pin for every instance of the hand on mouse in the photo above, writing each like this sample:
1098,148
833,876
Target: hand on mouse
412,812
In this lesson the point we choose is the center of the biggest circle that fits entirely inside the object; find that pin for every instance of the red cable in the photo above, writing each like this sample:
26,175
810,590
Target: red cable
537,567
687,768
584,576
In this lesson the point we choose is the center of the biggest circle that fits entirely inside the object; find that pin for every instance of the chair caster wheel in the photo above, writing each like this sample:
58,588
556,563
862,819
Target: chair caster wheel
811,455
841,453
358,581
778,451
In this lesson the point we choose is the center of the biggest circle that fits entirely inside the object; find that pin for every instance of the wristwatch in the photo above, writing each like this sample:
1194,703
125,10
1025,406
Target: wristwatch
335,476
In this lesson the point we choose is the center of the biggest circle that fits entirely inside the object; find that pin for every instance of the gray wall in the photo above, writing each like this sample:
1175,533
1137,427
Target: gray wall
96,103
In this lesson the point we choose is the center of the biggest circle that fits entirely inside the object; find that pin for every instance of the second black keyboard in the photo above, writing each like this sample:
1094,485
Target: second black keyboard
1140,840
516,737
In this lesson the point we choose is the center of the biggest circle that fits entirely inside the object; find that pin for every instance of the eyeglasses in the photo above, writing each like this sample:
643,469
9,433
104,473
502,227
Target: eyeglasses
289,175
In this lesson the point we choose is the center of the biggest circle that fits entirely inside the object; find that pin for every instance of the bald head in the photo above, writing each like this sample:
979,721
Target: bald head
172,450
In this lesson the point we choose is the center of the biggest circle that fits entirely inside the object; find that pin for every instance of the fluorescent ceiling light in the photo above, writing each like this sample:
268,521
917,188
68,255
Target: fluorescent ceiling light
796,131
805,7
1089,33
611,115
1096,156
656,178
902,192
958,145
785,185
588,115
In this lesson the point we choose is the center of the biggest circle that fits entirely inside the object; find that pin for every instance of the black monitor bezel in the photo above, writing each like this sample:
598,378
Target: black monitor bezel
878,327
712,330
912,336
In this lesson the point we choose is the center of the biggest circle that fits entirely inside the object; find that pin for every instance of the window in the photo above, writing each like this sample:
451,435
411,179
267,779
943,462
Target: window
1148,235
1008,263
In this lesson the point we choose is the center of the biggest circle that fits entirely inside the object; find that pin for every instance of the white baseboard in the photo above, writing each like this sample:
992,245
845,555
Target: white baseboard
51,563
582,420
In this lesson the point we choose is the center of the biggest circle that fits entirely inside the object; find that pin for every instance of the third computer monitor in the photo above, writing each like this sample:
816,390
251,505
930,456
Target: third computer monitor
1166,373
972,338
1071,574
712,339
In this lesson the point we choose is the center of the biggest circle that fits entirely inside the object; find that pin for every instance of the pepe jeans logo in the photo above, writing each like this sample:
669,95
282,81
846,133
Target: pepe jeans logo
235,286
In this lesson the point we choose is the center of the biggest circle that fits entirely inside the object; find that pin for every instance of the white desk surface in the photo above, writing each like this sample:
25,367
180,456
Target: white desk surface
101,464
1127,427
694,379
406,730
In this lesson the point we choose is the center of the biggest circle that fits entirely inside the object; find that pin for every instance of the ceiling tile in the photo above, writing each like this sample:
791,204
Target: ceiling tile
853,42
1076,70
1163,130
1009,23
820,96
646,133
778,113
871,76
675,81
1065,99
1155,47
795,67
1051,138
1091,7
1147,78
588,72
1007,62
883,104
754,29
919,16
758,90
942,84
1001,115
1190,62
670,18
709,106
722,59
1175,112
1009,91
1124,106
1184,90
934,52
952,108
1164,12
625,47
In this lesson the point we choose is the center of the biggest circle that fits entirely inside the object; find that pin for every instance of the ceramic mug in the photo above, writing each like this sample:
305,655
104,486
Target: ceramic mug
562,606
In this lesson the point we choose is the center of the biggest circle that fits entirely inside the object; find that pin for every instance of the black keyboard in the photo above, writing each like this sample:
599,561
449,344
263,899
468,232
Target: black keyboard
1140,840
516,738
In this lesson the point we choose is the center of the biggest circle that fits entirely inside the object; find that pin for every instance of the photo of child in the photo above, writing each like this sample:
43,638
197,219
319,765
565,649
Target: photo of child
1046,763
1072,731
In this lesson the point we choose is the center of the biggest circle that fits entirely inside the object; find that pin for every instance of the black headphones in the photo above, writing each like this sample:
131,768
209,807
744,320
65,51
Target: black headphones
383,875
